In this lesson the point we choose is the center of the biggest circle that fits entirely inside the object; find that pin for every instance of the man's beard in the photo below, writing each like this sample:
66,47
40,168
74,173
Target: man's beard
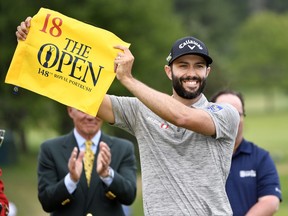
180,90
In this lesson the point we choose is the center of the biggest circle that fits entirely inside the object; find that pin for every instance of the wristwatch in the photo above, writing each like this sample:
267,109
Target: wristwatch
110,174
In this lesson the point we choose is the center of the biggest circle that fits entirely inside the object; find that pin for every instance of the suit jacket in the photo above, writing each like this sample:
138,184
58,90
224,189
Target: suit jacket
98,199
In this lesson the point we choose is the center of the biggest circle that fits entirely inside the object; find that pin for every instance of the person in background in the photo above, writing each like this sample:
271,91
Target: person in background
253,185
63,188
4,203
185,142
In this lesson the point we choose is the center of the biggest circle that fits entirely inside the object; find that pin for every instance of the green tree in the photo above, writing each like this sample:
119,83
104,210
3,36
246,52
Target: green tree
260,56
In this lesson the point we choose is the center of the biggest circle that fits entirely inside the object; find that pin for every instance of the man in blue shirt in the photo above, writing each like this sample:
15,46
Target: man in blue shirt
253,185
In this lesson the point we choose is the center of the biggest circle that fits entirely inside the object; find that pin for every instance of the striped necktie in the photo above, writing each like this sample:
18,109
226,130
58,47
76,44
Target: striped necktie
88,160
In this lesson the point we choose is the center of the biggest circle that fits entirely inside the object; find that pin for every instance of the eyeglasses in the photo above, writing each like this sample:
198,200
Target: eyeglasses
2,133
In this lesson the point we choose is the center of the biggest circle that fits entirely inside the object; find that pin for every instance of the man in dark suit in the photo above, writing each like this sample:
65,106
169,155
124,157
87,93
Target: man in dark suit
62,183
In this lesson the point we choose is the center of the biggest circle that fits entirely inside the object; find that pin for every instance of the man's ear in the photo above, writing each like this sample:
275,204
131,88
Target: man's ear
168,71
69,110
208,71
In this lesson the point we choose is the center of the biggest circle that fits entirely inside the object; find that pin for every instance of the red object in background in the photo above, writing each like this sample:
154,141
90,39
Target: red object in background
3,199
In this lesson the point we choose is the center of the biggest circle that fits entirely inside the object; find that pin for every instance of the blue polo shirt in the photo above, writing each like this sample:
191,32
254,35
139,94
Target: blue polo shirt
252,175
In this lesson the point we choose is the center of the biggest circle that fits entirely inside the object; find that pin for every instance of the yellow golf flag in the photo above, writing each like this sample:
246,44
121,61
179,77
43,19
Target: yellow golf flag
66,60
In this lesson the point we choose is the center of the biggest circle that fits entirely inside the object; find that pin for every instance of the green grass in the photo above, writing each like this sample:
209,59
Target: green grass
265,129
269,130
21,185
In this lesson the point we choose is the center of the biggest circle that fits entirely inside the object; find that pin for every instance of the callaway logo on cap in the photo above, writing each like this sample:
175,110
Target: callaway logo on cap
189,45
